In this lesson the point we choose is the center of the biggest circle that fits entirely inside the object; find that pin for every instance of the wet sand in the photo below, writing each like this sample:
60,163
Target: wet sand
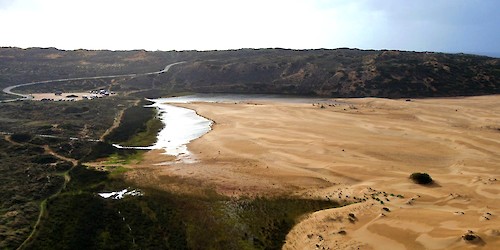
362,152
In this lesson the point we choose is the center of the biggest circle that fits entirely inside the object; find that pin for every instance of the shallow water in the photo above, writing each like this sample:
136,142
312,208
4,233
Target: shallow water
241,98
184,125
120,194
181,125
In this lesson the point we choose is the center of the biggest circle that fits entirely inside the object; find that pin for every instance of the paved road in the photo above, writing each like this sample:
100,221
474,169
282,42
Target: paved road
9,89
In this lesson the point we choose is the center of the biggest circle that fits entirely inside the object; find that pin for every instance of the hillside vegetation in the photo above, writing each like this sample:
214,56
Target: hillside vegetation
335,73
50,200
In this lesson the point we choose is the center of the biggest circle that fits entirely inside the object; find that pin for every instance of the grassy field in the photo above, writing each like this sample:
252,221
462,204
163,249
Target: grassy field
147,137
160,220
139,126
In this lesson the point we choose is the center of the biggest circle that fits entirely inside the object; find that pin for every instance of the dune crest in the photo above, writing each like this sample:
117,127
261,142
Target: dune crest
360,151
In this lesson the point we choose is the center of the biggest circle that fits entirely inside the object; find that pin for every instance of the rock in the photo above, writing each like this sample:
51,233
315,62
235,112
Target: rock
470,236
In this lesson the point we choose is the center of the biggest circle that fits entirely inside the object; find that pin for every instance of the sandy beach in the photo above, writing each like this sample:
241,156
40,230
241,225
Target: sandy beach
359,152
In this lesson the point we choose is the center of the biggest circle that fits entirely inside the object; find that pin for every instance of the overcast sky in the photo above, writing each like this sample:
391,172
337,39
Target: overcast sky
420,25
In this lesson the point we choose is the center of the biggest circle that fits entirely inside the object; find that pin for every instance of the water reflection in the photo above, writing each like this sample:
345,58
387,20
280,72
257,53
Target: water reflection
181,125
241,98
184,125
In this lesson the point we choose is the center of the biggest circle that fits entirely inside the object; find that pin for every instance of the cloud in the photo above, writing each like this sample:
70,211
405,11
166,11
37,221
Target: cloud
442,25
5,4
448,12
436,25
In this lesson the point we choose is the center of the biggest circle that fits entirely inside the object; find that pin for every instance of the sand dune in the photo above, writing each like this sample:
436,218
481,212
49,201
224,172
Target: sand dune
361,151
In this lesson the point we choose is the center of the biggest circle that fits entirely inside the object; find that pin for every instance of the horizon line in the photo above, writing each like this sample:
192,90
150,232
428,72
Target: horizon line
489,54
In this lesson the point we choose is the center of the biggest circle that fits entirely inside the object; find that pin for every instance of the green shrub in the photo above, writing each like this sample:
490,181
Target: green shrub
421,178
72,109
134,120
21,137
44,159
100,150
83,178
63,166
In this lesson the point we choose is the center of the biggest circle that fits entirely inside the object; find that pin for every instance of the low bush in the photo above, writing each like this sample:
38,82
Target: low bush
100,150
63,166
21,137
72,109
83,178
134,120
421,178
44,159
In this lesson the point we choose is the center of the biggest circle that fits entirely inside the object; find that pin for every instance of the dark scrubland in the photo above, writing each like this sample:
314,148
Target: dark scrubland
73,216
321,72
162,220
134,120
83,119
340,73
28,177
30,174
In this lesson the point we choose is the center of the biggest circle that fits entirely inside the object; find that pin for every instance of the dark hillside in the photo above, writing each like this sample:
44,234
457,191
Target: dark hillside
341,73
338,73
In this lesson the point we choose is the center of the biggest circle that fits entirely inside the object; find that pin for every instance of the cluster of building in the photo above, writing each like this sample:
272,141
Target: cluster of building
98,94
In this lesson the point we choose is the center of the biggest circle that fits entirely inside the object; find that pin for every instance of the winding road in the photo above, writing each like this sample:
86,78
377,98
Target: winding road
48,150
8,90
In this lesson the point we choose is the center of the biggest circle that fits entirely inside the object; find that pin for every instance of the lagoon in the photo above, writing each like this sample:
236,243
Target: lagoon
182,125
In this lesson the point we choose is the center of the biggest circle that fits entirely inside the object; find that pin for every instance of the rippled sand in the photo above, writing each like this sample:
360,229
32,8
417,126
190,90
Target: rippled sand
361,151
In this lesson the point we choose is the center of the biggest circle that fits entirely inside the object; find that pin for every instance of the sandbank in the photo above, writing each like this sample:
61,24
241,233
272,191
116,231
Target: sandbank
361,152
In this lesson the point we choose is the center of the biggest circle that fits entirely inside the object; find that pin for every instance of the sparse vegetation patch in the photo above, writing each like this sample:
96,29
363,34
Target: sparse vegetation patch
421,178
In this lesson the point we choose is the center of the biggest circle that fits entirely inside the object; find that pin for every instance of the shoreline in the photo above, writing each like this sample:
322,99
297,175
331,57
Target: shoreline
363,149
171,139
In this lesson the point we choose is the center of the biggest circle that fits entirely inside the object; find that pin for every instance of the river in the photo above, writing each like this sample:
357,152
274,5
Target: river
182,125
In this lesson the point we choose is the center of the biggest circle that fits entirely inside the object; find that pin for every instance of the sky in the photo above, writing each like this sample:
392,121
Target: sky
468,26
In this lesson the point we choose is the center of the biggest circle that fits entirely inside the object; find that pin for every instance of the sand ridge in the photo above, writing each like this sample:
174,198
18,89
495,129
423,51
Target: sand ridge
361,151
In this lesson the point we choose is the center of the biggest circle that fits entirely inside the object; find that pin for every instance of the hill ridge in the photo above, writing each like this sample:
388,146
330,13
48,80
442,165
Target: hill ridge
342,72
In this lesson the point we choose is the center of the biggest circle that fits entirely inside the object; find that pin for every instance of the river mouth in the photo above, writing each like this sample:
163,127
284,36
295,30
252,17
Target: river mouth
228,98
182,125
